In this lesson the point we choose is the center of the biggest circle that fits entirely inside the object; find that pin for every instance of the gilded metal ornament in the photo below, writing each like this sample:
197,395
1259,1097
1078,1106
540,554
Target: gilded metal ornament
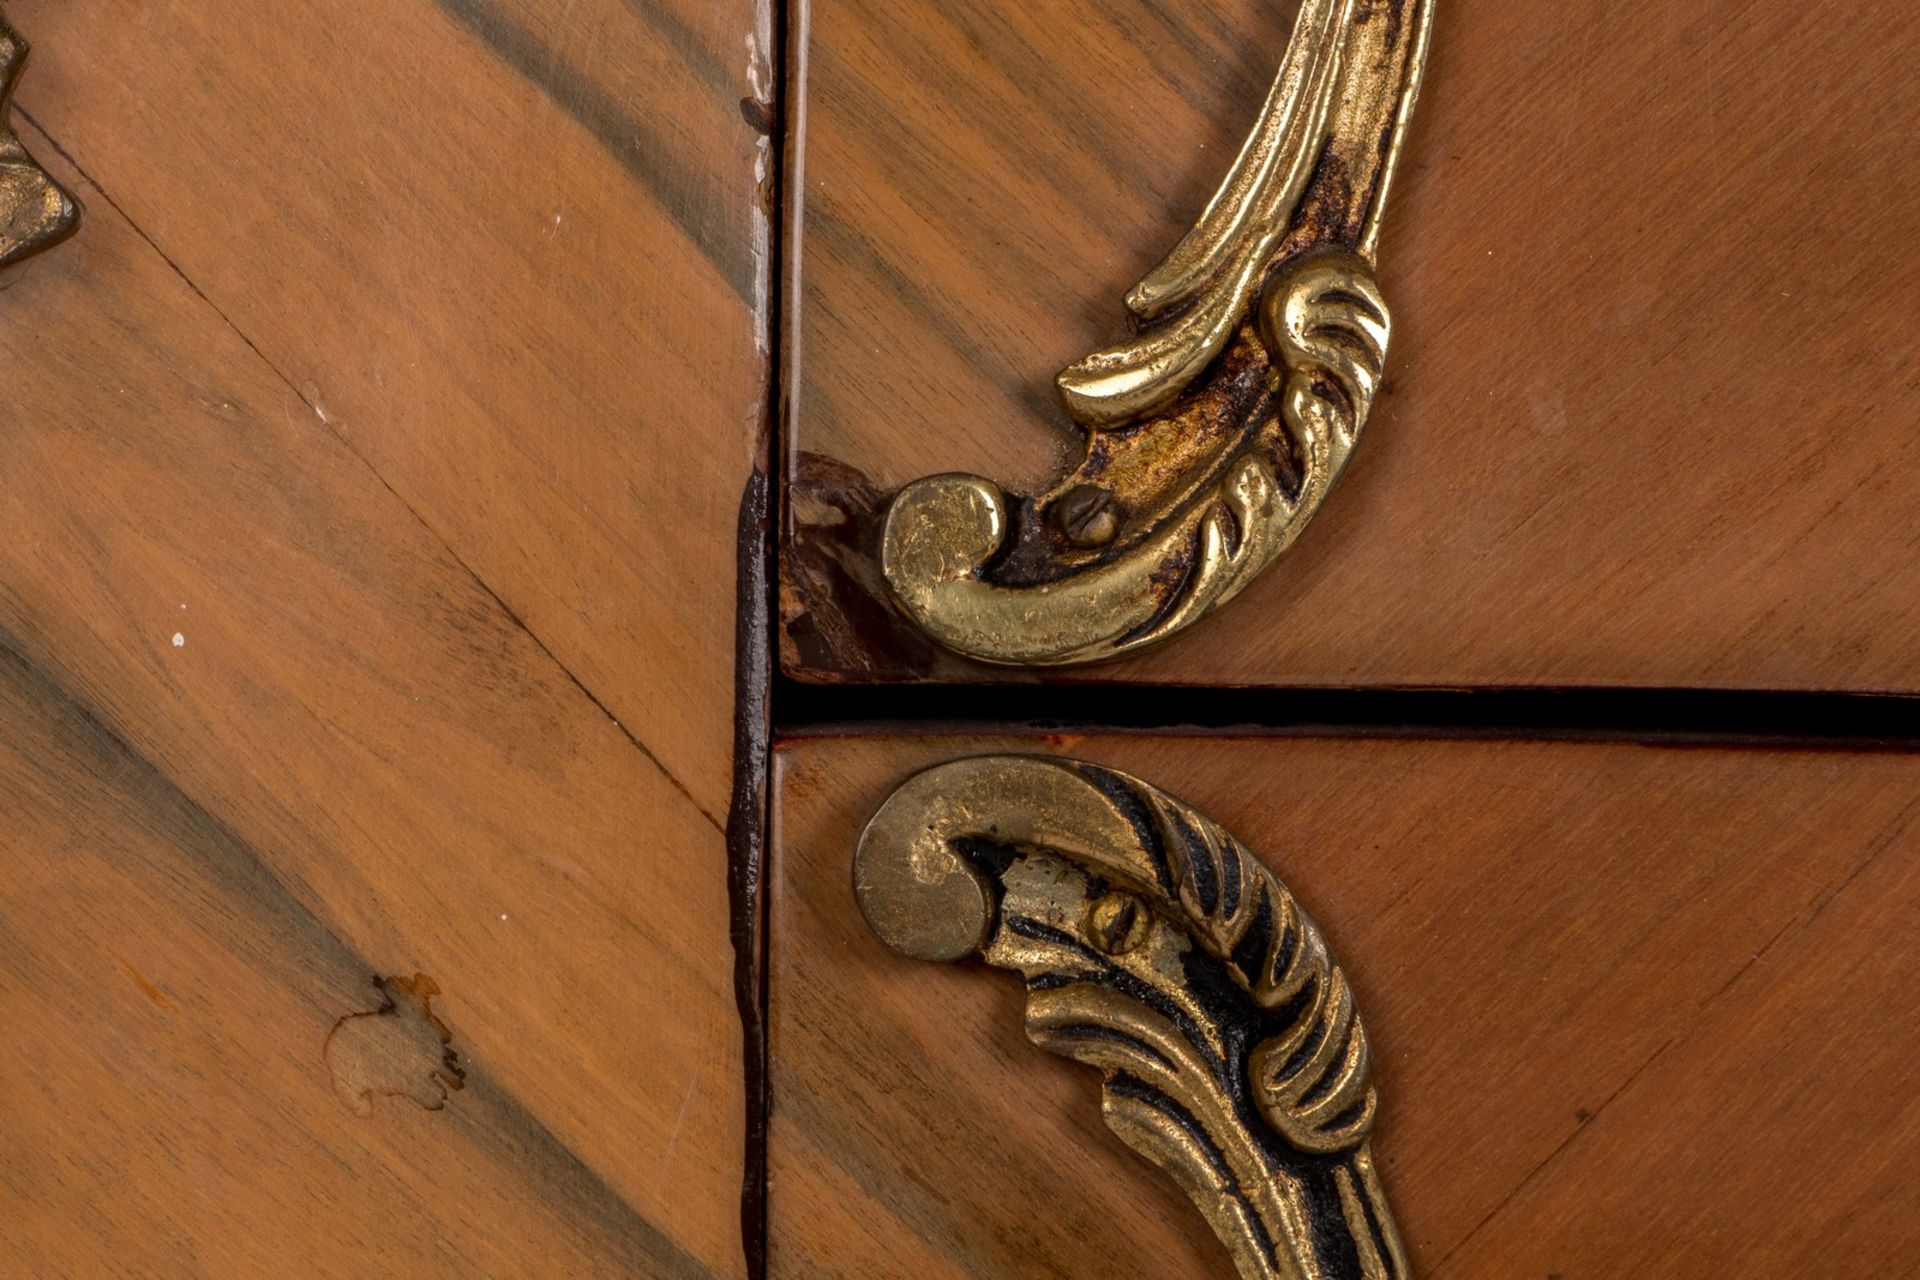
1158,949
34,212
1215,435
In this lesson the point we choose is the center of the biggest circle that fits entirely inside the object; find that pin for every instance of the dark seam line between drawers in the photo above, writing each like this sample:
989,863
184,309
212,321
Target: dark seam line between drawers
1670,717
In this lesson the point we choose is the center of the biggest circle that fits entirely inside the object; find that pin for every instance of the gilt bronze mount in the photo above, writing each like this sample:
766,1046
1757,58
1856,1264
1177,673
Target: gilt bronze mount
1215,435
34,212
1158,949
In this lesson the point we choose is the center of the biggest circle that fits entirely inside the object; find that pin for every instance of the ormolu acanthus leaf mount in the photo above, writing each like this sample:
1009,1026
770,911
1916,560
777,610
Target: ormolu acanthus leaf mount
34,212
1215,435
1159,950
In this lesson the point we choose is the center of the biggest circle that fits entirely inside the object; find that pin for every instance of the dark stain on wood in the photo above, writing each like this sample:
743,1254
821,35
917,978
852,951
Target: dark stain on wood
747,820
836,614
147,988
758,114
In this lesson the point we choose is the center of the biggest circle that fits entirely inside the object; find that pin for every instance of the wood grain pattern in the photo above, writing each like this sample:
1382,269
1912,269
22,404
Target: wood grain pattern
513,254
166,1000
1655,353
265,736
367,536
1634,1010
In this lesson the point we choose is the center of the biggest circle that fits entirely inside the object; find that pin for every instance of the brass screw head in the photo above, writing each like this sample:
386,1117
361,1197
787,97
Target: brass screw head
1088,515
1117,923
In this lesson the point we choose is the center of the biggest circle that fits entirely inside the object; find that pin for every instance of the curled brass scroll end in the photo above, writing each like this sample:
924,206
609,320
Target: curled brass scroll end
1157,948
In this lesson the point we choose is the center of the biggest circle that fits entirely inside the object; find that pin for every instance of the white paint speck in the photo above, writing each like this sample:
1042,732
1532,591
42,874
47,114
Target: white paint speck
179,641
503,915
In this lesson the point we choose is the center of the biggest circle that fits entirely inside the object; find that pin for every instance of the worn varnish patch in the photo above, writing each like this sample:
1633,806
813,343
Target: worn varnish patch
400,1050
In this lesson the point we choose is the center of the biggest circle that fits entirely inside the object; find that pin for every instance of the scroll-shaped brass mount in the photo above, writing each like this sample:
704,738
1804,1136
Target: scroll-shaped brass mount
34,212
1159,950
1214,436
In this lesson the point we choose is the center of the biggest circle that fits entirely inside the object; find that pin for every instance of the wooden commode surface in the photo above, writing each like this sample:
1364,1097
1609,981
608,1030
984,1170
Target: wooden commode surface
445,668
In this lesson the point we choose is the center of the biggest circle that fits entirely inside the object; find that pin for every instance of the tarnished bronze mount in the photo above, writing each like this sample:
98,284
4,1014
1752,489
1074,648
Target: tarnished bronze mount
35,213
1214,436
1158,949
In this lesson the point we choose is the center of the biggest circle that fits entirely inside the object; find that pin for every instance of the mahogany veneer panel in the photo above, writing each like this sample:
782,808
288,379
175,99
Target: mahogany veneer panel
1634,1011
1656,364
264,737
511,253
